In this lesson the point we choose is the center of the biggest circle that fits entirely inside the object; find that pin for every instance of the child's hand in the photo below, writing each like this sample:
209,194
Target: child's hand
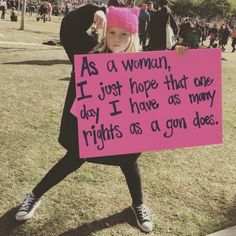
99,19
181,50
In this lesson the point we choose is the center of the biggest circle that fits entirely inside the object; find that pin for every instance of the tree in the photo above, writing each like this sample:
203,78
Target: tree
23,15
214,8
184,8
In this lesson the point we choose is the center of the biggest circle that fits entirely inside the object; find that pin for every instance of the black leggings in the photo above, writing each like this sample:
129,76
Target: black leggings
70,163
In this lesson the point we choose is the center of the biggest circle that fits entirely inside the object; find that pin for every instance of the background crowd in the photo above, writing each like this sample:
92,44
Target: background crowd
195,31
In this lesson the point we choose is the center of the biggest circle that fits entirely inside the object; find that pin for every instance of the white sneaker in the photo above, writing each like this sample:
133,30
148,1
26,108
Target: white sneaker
142,215
27,207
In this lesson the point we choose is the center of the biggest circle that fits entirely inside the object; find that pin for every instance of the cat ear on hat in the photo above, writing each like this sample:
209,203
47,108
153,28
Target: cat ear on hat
135,11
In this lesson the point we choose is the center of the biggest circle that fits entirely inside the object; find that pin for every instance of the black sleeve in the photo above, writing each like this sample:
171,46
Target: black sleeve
73,35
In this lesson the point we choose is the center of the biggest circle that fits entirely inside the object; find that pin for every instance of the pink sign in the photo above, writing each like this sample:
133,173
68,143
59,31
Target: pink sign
147,101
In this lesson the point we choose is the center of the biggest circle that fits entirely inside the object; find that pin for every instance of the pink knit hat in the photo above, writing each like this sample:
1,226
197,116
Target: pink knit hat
124,18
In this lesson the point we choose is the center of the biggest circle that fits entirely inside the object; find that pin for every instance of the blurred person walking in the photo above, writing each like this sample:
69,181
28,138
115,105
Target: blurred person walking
213,35
233,36
224,34
3,8
144,19
204,30
13,14
158,26
152,12
191,35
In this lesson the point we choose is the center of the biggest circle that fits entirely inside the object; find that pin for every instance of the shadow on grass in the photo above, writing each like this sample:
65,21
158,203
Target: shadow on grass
39,62
40,32
8,222
125,216
65,79
228,210
17,49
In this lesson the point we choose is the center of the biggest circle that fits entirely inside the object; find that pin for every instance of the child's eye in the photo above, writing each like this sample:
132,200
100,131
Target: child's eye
124,34
112,32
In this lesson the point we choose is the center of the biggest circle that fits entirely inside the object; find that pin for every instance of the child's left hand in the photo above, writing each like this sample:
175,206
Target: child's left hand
100,19
181,50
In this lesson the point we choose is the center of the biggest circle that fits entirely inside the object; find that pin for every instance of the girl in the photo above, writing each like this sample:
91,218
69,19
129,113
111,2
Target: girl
121,36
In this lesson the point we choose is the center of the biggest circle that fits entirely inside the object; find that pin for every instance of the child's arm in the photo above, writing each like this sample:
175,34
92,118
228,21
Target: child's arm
73,32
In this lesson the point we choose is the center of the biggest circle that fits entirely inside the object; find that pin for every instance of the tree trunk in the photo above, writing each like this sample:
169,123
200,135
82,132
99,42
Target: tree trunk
23,15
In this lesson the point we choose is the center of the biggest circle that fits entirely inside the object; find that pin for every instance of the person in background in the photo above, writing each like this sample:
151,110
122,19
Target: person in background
42,12
151,6
13,14
224,34
144,19
121,3
203,28
31,8
68,7
191,35
49,11
116,3
233,36
151,11
3,8
184,24
158,27
213,35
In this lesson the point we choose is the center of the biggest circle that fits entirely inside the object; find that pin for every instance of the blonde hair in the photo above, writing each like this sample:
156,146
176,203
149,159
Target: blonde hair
133,46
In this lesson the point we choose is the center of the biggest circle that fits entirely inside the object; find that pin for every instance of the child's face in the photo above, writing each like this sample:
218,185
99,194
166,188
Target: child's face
118,39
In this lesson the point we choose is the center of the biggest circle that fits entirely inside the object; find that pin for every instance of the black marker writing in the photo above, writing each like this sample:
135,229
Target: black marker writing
81,86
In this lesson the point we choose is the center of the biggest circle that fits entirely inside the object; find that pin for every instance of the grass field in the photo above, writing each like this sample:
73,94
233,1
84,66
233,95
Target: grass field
233,3
190,191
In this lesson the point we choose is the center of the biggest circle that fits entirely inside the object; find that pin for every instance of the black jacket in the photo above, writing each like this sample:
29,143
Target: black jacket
73,32
75,40
157,29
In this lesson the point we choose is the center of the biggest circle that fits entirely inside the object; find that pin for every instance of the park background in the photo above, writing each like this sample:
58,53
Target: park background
190,191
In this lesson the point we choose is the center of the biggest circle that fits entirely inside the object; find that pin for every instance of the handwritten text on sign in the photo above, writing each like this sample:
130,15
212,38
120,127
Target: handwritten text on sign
136,102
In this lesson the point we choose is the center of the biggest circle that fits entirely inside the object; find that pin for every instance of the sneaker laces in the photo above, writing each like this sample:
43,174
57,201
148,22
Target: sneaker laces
27,202
143,212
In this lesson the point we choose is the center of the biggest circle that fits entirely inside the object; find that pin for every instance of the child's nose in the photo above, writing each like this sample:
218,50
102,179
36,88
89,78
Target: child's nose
118,37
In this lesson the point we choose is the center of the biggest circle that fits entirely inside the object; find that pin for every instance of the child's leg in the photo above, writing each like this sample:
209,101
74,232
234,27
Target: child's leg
68,164
65,166
133,179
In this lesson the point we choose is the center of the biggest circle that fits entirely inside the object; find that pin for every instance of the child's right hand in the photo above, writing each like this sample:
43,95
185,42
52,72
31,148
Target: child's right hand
181,50
100,19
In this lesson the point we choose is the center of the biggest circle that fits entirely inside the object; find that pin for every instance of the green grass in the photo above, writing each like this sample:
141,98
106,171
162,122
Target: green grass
190,191
233,3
